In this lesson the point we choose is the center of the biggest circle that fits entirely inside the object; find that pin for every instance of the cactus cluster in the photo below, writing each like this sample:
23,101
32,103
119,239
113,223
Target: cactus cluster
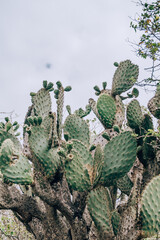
94,168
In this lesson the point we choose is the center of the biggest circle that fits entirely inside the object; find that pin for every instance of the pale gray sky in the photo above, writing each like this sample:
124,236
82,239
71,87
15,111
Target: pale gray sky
81,39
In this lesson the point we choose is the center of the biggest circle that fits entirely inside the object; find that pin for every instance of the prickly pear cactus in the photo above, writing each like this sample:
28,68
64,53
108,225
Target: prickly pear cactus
80,188
125,77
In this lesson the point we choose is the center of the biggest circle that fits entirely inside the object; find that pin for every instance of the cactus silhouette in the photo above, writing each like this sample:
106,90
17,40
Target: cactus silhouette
62,185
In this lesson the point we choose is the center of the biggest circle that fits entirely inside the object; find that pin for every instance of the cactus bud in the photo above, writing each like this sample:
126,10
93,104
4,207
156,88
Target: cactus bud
92,147
56,91
135,92
8,126
2,125
97,93
106,136
39,120
59,84
45,83
51,89
30,120
24,127
116,64
49,86
66,136
104,84
67,89
16,127
32,94
6,119
15,123
96,88
116,128
35,120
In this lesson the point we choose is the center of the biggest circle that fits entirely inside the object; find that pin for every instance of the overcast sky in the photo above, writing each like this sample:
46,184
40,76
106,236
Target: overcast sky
80,39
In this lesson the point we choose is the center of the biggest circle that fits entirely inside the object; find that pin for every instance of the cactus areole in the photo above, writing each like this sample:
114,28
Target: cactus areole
64,185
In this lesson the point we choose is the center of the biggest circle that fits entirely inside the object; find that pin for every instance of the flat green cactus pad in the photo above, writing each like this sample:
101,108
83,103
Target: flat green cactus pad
83,151
77,128
150,207
39,144
77,173
42,103
134,114
6,135
125,184
106,109
100,207
125,77
38,140
51,162
154,106
6,152
119,156
18,172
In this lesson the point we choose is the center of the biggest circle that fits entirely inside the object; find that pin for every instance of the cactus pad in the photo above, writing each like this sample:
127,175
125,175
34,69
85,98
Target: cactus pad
134,114
6,135
42,103
154,106
119,156
106,109
150,206
125,77
100,207
39,144
77,128
125,184
77,173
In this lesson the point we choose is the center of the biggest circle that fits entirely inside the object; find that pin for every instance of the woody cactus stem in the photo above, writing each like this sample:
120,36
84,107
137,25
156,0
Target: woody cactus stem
73,180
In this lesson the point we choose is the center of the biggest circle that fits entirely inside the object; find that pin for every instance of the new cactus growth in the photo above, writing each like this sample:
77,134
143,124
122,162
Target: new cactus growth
82,188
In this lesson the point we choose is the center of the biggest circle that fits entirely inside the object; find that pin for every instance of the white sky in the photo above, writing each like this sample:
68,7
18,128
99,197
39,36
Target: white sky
81,39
